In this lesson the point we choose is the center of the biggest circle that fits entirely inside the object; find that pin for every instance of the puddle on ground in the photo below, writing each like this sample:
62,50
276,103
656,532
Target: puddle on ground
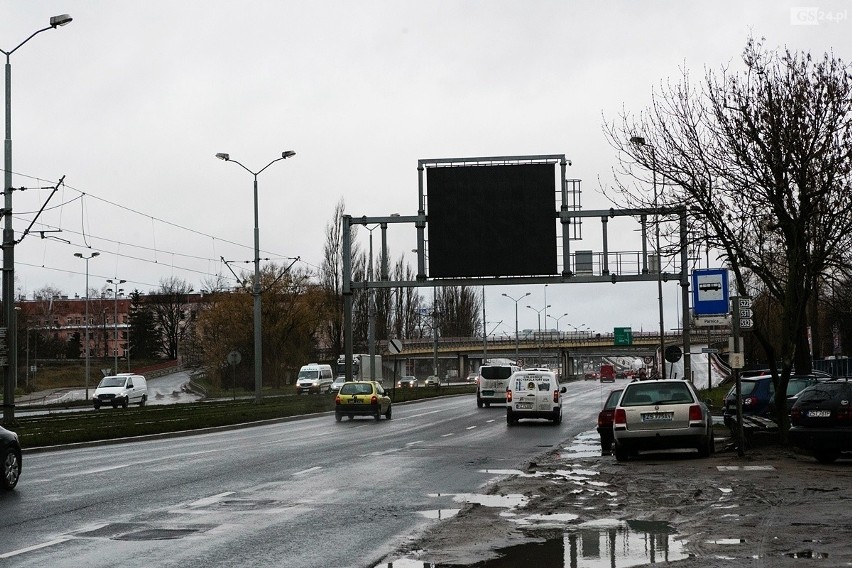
726,541
584,445
440,514
509,501
589,545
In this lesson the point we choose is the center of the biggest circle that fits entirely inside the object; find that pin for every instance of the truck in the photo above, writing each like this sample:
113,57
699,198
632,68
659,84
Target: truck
361,369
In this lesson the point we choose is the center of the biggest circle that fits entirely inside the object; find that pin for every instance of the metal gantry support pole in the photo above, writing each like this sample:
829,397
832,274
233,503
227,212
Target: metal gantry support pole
115,282
86,340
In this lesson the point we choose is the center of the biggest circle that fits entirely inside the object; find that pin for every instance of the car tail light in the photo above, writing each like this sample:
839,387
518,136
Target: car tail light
556,396
337,399
374,400
694,413
843,414
620,417
795,416
748,401
508,395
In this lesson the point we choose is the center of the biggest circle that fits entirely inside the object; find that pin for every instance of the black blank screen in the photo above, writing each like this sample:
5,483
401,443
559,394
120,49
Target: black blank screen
491,220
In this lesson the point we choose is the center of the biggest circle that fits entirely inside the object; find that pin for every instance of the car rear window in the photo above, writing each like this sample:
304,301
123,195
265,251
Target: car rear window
656,393
496,372
821,392
612,401
356,388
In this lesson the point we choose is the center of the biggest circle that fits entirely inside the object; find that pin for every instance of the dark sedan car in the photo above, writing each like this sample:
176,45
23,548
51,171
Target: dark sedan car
821,420
10,457
605,421
756,392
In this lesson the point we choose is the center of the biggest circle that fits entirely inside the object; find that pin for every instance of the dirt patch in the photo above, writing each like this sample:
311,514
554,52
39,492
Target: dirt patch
771,507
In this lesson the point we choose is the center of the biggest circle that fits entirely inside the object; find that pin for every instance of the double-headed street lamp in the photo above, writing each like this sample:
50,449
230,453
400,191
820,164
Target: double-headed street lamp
8,279
538,340
86,341
516,300
258,351
557,322
116,282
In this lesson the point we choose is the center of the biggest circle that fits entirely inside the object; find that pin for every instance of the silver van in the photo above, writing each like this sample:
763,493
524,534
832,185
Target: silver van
121,390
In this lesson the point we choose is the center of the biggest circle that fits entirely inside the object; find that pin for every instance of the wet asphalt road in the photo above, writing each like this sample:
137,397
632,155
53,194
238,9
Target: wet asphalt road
309,492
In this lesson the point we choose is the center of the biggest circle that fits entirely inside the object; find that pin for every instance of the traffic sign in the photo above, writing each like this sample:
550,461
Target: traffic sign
709,350
710,291
711,321
746,323
622,336
745,303
745,313
394,346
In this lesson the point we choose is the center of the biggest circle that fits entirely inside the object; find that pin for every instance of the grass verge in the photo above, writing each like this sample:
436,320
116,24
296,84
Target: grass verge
108,423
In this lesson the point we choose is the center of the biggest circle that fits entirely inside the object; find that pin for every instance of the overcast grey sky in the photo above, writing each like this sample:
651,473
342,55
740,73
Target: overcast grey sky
132,100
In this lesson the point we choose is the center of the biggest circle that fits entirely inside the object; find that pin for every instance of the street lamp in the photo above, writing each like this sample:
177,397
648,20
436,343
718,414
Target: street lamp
8,278
516,300
538,337
255,289
86,342
117,283
640,141
557,323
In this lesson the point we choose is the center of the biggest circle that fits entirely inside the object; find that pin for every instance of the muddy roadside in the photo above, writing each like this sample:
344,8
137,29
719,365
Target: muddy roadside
772,507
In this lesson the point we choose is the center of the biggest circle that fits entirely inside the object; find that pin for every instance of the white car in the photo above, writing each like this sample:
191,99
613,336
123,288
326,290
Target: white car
314,378
661,414
534,394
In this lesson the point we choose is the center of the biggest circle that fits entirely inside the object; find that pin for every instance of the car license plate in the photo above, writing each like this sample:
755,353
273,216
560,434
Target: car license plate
524,406
819,413
657,417
487,393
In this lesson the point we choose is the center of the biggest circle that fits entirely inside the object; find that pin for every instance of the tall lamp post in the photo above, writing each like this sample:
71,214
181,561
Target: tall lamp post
538,338
516,300
85,341
116,282
255,289
8,280
640,141
557,323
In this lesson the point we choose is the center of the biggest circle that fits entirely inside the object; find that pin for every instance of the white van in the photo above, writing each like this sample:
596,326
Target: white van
121,389
314,377
492,383
534,394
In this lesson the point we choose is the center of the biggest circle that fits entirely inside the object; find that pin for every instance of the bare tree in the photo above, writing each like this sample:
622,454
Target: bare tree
331,278
169,305
762,160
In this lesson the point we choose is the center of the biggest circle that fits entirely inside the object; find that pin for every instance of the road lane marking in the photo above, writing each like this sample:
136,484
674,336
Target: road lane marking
470,427
207,501
450,434
34,547
309,470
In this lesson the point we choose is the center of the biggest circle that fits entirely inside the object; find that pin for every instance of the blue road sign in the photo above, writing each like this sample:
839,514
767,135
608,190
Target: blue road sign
710,291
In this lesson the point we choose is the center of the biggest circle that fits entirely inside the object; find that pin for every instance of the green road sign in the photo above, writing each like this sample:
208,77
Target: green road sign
623,336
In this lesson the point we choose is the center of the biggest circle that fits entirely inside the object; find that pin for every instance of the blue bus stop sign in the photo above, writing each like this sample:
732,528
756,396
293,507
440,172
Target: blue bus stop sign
710,291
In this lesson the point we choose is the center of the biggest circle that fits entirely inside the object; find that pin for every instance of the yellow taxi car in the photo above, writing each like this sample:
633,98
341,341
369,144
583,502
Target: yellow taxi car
362,398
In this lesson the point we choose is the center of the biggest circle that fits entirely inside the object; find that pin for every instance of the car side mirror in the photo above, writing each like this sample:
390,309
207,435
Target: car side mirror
563,390
708,402
130,385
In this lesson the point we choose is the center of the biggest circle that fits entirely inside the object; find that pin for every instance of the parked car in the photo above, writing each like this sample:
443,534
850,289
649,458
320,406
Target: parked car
121,390
407,381
534,394
362,398
756,393
821,420
795,386
605,418
10,457
661,414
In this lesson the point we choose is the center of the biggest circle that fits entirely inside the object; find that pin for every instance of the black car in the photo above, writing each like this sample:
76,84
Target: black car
10,457
821,420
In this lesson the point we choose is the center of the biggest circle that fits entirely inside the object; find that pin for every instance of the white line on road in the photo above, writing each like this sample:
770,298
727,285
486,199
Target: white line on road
470,427
446,435
207,501
34,547
309,470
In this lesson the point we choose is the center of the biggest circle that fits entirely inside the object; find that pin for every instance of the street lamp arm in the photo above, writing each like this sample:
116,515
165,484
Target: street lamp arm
227,157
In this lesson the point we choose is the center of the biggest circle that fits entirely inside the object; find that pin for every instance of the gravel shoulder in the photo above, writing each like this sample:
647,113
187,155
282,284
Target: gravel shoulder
771,507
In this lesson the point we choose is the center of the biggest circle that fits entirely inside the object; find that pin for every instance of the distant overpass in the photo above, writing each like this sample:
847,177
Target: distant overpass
572,352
